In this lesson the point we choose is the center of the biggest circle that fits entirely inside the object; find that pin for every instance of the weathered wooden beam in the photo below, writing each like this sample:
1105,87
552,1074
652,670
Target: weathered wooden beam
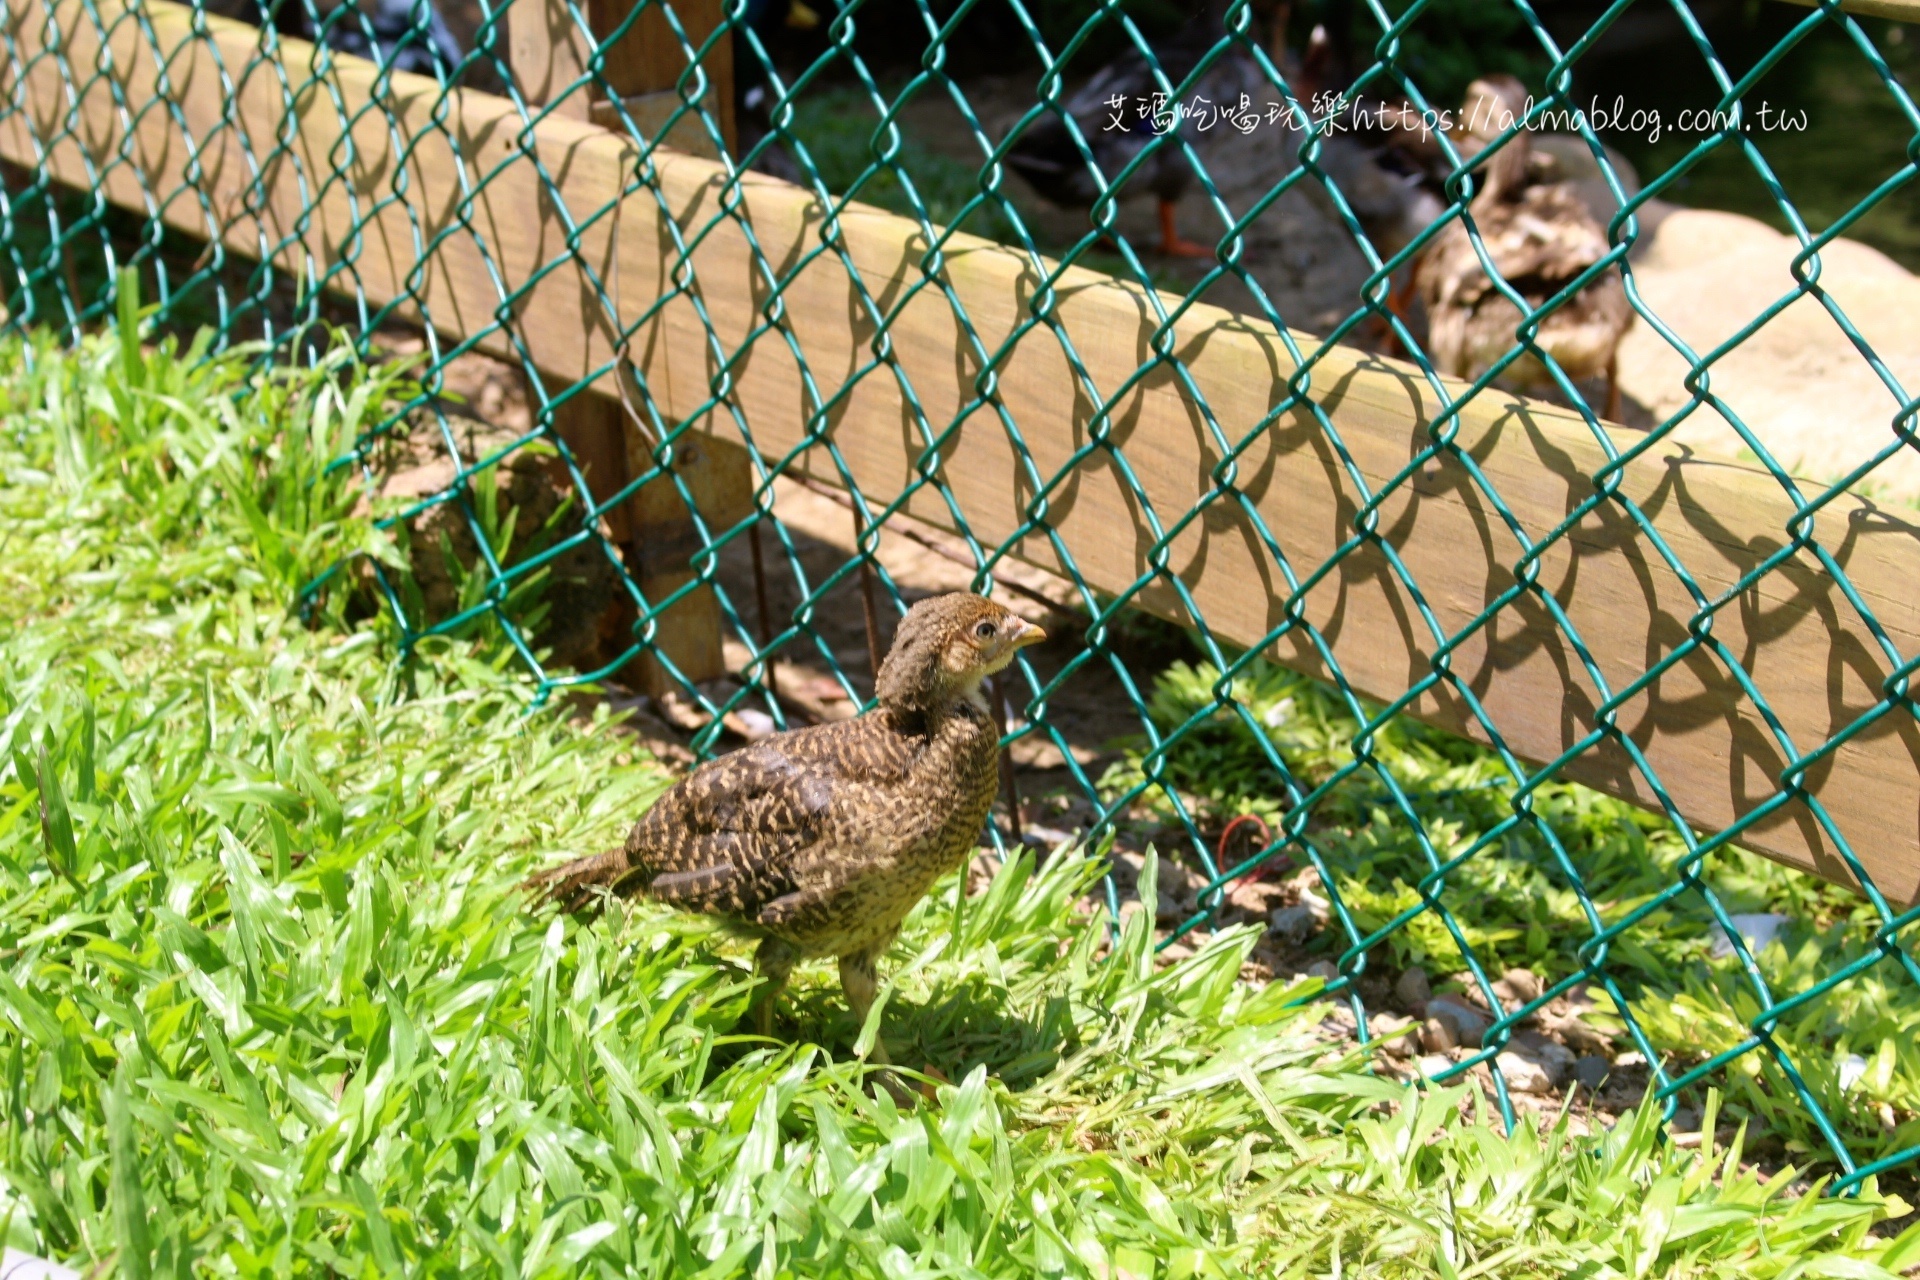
464,165
1898,10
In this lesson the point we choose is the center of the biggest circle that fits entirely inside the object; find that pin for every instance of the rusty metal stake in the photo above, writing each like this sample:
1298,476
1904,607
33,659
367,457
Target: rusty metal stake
866,592
1002,713
766,614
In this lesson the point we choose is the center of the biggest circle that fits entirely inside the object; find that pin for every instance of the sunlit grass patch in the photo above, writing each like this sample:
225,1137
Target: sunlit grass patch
269,1004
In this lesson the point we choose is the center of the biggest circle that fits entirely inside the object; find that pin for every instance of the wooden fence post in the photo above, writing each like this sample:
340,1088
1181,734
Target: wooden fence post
654,529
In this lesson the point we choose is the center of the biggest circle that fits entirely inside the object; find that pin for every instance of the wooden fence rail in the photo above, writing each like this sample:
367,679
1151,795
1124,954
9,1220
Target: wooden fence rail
458,174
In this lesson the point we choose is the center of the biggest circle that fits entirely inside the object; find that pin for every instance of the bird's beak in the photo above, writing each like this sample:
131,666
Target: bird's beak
1025,633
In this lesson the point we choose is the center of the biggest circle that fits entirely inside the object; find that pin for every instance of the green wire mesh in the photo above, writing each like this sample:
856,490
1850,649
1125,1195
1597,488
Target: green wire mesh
66,249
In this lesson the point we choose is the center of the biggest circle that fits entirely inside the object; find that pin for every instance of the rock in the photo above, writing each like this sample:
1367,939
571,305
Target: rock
1519,986
1292,924
1046,838
1561,1018
1853,1068
1628,1061
1439,1035
1321,909
1554,1058
1525,1074
1592,1071
1469,1023
1390,1033
1685,1120
1756,929
1257,897
1413,988
751,724
1798,383
1433,1064
1325,970
1534,1064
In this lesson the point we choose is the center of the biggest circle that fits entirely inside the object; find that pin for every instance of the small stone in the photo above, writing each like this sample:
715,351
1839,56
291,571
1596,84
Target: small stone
1685,1120
1325,970
1756,929
1390,1033
1592,1071
1439,1035
1321,909
1469,1023
1292,924
1550,1056
1413,988
1046,838
1522,986
1394,1035
1433,1064
1629,1060
1853,1068
1524,1074
751,724
1257,897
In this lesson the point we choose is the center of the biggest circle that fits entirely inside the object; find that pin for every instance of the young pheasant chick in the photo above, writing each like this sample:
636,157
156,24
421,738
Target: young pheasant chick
820,840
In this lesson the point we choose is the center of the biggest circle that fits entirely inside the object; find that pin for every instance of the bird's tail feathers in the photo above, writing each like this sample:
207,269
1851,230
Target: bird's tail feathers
581,884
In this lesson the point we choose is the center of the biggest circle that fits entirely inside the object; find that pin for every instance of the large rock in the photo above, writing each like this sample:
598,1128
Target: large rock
1798,383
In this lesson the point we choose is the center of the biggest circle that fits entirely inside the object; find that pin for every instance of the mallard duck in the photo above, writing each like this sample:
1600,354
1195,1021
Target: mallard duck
1539,236
1383,158
1047,157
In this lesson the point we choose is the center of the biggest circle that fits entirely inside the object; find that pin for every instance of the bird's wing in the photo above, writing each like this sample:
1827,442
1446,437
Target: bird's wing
730,836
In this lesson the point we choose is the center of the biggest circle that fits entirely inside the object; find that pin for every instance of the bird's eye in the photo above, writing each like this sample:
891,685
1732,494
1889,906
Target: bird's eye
984,631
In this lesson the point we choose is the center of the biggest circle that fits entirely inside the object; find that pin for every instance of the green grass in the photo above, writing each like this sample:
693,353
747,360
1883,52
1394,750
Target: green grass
270,1006
1516,906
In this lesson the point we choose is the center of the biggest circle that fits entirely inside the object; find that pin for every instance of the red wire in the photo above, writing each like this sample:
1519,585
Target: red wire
1266,838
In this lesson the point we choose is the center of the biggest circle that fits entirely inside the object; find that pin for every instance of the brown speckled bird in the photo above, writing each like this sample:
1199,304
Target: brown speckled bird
1540,236
820,840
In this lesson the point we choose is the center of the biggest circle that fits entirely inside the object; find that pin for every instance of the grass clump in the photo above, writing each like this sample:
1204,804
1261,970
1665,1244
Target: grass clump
1514,903
269,1005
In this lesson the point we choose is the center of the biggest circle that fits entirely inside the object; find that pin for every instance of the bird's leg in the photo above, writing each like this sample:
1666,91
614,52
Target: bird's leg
774,963
1171,245
860,979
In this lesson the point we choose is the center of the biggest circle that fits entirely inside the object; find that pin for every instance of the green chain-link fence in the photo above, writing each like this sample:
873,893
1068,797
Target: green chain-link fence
229,165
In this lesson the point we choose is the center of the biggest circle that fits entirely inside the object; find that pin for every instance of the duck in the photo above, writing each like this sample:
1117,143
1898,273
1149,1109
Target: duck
1539,235
1383,157
1048,158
